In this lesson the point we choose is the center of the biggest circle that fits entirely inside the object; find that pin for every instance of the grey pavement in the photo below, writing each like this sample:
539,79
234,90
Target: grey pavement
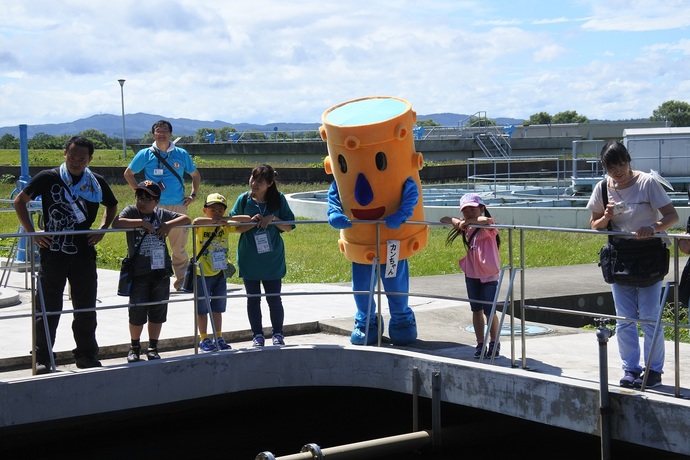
323,314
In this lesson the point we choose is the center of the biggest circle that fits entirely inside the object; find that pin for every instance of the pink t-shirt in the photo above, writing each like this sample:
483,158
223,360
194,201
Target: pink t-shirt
483,259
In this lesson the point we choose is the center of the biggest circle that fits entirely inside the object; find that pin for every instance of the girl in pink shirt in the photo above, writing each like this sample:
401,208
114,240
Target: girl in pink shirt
481,265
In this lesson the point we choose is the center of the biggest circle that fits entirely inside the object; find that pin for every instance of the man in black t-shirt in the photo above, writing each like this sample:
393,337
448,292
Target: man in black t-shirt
70,196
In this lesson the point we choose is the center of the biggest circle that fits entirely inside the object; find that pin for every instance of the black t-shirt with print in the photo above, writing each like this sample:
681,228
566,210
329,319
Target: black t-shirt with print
58,211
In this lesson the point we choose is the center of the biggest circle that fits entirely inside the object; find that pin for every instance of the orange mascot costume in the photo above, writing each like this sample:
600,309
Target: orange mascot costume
372,157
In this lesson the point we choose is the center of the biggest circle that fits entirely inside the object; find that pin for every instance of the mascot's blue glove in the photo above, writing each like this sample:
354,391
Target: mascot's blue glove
394,221
409,198
335,209
339,221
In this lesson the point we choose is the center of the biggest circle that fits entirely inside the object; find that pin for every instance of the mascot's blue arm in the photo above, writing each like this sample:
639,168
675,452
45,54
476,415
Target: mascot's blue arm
335,209
410,195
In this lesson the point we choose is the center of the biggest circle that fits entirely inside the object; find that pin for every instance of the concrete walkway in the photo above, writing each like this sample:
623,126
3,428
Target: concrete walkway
323,313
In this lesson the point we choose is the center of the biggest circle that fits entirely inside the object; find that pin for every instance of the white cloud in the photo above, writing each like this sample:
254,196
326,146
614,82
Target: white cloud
638,15
269,60
549,53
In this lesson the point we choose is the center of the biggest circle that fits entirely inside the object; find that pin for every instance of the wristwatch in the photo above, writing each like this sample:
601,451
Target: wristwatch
193,195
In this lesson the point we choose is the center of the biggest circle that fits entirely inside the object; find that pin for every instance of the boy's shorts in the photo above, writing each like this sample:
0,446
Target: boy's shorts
149,288
216,286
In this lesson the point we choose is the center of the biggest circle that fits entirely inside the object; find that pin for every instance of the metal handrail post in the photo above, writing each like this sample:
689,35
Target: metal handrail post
603,336
46,329
370,299
511,263
415,398
436,411
655,336
10,261
195,321
522,299
676,320
503,312
207,299
379,317
490,320
34,285
492,317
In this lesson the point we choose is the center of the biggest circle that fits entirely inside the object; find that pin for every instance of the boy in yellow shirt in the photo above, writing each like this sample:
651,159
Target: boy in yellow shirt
214,261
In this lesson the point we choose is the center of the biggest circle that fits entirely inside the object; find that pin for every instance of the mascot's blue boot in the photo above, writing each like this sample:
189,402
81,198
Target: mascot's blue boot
359,332
403,330
402,327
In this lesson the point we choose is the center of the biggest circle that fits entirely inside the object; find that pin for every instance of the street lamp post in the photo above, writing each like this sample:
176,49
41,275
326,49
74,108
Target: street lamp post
122,95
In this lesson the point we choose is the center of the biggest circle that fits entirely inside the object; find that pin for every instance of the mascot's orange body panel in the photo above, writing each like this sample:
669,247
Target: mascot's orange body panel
371,154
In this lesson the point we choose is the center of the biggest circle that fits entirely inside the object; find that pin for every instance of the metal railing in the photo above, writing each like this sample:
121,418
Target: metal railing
558,175
515,268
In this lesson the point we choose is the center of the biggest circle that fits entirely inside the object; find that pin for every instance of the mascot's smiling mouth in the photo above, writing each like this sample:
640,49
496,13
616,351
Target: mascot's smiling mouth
368,214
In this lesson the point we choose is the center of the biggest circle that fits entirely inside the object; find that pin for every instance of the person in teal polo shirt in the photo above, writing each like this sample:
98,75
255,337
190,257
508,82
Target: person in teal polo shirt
165,164
260,250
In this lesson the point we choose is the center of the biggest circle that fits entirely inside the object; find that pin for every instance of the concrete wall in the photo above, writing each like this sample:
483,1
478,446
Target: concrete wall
315,151
451,143
514,392
431,173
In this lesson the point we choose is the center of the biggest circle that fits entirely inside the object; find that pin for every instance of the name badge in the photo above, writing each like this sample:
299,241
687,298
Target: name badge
77,212
157,258
158,172
218,260
392,256
262,243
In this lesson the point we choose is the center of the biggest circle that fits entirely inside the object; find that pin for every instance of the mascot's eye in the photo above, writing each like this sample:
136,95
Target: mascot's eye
381,163
343,163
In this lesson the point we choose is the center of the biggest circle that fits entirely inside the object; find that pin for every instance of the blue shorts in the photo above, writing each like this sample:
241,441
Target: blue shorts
216,286
478,291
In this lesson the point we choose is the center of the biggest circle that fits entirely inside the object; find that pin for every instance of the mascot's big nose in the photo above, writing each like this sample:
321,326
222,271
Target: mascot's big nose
363,192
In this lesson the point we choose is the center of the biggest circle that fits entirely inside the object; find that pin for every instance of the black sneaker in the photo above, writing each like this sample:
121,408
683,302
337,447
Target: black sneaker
87,362
490,351
133,355
479,350
628,380
152,353
653,380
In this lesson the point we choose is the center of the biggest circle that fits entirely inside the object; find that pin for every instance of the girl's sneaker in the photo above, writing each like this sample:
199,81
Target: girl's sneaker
258,341
490,351
479,350
278,339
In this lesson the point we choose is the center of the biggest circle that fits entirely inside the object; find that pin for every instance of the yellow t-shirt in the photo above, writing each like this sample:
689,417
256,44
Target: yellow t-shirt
215,257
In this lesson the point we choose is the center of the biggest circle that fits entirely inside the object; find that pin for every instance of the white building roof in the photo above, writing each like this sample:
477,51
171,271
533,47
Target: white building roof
657,132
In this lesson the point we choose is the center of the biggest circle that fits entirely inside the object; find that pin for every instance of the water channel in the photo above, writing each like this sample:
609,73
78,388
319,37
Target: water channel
281,421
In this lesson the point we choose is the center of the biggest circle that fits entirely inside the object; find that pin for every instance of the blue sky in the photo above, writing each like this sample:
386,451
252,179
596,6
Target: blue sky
275,60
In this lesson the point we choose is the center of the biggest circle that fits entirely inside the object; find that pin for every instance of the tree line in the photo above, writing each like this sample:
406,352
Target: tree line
102,141
674,113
